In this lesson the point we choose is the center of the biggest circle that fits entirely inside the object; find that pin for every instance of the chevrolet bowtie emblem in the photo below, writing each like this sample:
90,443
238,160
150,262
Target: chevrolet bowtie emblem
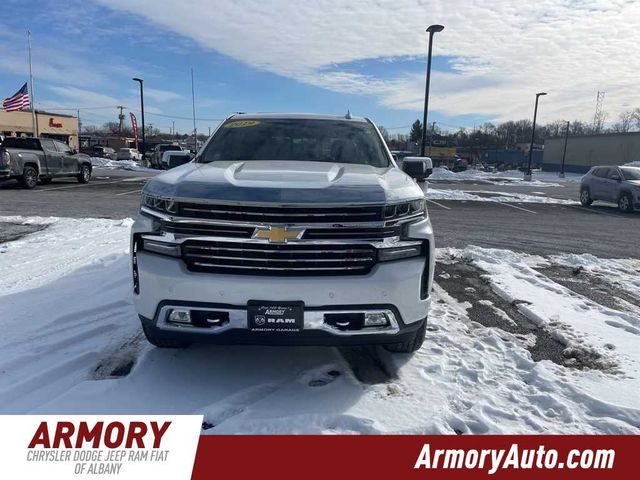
278,234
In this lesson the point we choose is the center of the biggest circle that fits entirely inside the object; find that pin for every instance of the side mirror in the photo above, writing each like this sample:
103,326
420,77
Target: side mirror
417,167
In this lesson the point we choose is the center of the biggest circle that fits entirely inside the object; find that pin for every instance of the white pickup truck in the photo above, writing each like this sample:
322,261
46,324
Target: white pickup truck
286,229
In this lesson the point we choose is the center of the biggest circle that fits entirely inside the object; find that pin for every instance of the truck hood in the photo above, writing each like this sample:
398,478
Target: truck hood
290,182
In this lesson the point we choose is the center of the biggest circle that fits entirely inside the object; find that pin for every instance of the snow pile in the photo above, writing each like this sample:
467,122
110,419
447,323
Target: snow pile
105,163
577,322
490,196
64,246
70,327
633,164
509,177
623,272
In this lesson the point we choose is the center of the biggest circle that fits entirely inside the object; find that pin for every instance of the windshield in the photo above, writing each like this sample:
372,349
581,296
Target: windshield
630,173
296,140
166,148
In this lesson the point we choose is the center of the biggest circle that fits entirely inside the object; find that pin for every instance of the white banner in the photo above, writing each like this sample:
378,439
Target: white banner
99,446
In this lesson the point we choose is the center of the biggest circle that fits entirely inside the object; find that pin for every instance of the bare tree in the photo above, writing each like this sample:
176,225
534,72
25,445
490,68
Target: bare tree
624,123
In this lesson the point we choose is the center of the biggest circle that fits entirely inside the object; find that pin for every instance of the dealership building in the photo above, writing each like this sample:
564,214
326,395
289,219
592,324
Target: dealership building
585,151
50,125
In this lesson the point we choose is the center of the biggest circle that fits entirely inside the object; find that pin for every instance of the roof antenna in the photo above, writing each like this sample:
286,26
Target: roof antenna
348,115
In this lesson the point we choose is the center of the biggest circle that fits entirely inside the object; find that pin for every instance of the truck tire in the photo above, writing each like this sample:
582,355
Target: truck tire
625,202
412,345
29,177
161,342
85,174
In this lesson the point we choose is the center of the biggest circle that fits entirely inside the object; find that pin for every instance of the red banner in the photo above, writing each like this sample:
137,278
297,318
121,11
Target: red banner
134,127
421,457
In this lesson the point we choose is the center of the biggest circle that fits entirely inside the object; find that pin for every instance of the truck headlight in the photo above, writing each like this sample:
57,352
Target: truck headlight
404,210
159,204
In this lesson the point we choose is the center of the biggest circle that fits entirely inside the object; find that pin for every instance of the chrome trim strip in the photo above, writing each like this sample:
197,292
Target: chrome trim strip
275,269
307,225
286,260
261,250
388,242
313,320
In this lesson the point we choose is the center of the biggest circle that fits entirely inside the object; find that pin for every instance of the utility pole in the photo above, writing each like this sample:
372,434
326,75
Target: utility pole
79,131
120,120
564,152
173,128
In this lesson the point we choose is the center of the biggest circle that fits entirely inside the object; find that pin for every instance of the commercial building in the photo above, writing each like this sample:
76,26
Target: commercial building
50,125
585,151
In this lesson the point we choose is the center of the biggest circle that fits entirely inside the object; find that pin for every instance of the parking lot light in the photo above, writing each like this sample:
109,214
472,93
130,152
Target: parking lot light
527,175
433,29
140,81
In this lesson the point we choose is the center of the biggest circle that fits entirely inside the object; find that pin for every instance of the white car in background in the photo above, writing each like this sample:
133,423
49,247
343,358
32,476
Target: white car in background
128,154
175,158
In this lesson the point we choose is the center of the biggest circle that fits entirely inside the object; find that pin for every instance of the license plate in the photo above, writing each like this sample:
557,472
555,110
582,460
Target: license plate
266,316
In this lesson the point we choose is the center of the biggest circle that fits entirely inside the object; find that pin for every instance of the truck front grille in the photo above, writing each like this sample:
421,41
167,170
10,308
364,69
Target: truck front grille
275,259
202,229
284,215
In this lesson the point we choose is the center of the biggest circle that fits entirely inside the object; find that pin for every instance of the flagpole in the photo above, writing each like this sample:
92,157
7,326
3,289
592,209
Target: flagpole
31,95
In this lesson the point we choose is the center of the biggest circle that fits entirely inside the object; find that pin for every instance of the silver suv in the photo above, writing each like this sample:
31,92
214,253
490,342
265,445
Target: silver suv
620,185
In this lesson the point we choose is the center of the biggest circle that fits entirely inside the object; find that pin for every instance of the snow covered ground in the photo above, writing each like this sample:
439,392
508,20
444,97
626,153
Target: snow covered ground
71,343
437,193
107,164
509,177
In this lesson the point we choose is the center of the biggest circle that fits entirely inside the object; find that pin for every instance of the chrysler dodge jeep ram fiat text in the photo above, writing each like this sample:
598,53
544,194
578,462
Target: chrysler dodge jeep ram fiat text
285,229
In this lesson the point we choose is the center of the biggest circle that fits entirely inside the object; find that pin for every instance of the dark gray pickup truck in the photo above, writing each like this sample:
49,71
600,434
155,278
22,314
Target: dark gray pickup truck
30,160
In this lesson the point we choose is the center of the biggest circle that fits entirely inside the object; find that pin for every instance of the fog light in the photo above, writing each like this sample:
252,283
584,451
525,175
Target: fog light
180,316
163,248
376,320
397,253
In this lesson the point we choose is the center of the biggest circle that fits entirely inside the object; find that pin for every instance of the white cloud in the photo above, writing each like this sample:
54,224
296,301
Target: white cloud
161,95
504,50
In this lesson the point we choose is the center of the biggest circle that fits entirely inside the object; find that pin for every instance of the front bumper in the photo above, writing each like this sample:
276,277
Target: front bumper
164,282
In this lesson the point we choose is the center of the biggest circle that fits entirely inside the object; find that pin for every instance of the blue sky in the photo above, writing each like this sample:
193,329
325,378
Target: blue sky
326,56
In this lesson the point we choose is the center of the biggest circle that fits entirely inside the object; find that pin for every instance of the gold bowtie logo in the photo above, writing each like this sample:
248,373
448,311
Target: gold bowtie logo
278,234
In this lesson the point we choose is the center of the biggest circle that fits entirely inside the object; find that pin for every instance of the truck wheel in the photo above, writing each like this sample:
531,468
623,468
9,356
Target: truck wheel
625,203
85,174
412,345
161,342
29,178
585,197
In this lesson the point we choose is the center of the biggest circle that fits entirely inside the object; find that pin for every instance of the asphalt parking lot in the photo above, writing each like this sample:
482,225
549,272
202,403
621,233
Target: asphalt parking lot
534,228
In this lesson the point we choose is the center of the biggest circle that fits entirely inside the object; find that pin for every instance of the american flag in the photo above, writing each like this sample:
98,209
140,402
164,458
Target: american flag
18,100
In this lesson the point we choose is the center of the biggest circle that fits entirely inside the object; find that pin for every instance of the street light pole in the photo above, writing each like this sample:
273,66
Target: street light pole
140,81
564,152
527,175
433,29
